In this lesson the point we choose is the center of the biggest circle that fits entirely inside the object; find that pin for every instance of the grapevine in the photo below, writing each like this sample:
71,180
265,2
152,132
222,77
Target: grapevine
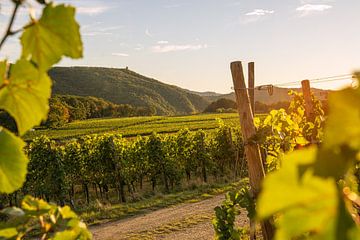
25,89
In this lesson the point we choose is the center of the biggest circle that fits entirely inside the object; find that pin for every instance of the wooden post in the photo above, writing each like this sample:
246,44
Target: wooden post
309,108
251,85
252,150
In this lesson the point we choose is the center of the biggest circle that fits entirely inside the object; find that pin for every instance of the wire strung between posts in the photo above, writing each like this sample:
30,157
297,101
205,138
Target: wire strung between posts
317,80
320,80
270,87
335,77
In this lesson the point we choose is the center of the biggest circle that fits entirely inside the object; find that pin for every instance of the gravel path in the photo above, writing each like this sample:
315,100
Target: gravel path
185,221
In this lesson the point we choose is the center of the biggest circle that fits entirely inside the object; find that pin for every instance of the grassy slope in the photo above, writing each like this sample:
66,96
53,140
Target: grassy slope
134,126
123,86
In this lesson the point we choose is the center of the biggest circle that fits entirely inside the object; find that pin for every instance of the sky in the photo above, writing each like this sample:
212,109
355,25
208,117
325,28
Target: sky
191,43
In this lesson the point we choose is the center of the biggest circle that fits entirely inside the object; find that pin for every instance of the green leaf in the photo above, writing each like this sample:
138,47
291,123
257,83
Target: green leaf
334,162
66,235
26,95
8,233
66,212
77,230
35,206
300,197
3,65
345,107
56,34
301,141
13,162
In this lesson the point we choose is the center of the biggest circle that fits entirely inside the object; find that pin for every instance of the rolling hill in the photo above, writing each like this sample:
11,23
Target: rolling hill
122,86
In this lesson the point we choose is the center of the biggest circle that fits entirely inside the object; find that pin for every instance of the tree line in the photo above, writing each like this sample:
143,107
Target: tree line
67,108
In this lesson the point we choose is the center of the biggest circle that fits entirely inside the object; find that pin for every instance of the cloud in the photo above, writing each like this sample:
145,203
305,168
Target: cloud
120,54
176,48
311,8
303,2
139,47
255,15
95,33
111,28
147,33
92,10
172,6
260,12
162,42
97,29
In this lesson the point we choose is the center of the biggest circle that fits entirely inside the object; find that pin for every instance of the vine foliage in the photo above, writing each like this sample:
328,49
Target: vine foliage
25,88
316,185
225,215
313,172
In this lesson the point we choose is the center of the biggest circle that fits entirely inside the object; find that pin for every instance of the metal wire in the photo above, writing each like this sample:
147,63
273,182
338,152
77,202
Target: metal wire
270,87
320,80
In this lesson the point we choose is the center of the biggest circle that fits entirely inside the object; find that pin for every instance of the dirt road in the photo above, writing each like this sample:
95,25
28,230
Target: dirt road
185,221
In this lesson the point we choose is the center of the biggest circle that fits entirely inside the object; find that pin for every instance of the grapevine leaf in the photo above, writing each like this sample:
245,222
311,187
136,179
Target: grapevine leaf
300,197
334,162
77,230
345,106
354,233
13,162
342,140
66,235
54,35
35,207
3,65
67,213
345,223
26,95
8,233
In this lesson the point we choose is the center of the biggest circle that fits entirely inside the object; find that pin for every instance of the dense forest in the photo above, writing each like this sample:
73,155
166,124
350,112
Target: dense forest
66,108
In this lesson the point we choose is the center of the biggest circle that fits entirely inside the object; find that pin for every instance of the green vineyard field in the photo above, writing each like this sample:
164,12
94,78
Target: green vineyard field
134,126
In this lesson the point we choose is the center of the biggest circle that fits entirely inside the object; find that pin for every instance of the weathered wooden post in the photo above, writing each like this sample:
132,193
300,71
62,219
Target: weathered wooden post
251,85
252,149
309,108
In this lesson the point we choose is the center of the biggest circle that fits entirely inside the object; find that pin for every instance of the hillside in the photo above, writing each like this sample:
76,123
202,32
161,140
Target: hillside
122,86
279,95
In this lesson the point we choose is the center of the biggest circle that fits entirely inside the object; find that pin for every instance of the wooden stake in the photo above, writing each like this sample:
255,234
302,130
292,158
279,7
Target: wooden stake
251,85
309,108
252,150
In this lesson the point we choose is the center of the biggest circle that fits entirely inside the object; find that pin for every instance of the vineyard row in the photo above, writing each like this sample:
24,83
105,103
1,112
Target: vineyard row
110,163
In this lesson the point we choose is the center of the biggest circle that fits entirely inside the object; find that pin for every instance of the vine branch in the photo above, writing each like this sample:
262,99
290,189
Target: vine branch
3,86
8,31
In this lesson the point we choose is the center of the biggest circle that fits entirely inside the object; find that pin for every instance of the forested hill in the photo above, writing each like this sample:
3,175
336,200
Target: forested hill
122,86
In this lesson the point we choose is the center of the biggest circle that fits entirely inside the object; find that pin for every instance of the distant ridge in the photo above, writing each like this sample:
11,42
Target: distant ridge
123,86
279,95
